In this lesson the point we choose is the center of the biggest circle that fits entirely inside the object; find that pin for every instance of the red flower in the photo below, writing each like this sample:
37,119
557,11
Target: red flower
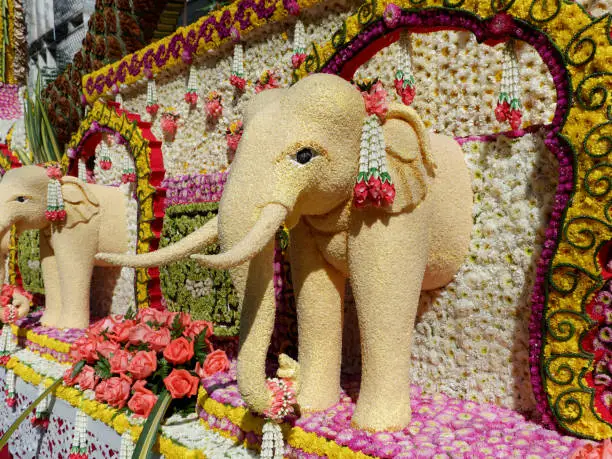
179,351
84,348
502,111
105,164
376,100
198,326
191,98
216,362
181,383
388,193
515,119
87,378
143,400
67,377
143,364
152,109
297,59
158,339
237,82
406,93
375,191
121,331
120,362
360,194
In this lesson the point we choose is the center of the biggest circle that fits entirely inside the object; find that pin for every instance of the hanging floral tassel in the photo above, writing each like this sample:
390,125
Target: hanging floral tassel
284,400
55,201
79,439
299,45
105,161
214,106
6,344
373,185
509,104
11,379
152,105
126,450
237,79
129,173
82,170
191,96
41,412
404,77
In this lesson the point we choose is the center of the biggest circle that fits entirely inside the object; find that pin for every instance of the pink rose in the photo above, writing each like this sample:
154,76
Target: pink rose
104,325
181,383
101,391
153,315
116,391
215,362
67,377
376,101
198,326
143,400
121,331
84,348
388,193
179,351
515,119
158,339
184,319
143,364
106,348
120,362
360,194
138,333
374,191
87,378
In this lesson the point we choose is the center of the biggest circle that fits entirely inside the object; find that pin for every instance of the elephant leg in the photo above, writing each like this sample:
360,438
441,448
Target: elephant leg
74,253
387,259
319,293
53,299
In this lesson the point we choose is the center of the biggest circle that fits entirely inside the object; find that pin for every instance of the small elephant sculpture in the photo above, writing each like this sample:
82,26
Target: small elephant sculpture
296,164
95,221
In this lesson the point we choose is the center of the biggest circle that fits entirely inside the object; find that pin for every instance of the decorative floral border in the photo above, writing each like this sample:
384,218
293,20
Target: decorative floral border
210,32
576,49
148,160
99,411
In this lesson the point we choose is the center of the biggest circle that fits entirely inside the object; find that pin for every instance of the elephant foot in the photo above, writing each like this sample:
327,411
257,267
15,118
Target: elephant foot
317,398
50,319
381,415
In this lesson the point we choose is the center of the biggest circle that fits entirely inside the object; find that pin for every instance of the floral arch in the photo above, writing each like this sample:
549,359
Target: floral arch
577,50
146,152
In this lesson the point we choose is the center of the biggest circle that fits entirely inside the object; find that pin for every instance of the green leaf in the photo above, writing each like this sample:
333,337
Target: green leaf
130,314
102,368
148,436
15,425
177,328
200,348
77,368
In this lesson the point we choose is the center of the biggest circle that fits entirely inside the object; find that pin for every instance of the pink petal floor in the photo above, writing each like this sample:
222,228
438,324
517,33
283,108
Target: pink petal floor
442,427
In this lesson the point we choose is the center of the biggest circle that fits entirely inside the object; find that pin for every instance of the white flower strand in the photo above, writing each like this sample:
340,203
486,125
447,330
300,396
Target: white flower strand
238,61
6,338
192,81
82,170
510,84
119,99
126,449
372,150
151,92
10,383
272,444
79,440
299,39
405,57
43,406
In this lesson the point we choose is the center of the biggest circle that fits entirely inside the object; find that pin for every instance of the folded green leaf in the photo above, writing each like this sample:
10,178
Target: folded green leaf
148,436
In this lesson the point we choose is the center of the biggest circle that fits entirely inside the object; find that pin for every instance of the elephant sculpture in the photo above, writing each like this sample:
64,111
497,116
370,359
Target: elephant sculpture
296,165
19,301
95,221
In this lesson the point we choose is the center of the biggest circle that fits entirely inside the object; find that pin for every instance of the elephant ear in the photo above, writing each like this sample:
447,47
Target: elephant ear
409,158
80,202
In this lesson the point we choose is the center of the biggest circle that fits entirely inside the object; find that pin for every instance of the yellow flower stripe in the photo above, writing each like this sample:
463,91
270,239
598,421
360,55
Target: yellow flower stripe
139,147
279,14
100,411
295,436
41,340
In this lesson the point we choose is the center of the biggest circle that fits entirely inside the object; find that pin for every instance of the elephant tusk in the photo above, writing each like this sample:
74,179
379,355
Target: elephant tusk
189,245
271,218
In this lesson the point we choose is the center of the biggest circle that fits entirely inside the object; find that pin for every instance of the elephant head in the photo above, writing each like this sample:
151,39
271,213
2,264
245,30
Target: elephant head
298,156
23,200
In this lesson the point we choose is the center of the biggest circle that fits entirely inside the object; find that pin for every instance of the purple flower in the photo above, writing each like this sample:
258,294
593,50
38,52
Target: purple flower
501,24
392,15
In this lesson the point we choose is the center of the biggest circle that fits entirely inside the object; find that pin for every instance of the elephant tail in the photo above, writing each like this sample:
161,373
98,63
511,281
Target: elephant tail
189,245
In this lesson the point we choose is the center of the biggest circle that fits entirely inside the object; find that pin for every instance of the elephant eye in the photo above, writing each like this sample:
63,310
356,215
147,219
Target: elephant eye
304,155
21,199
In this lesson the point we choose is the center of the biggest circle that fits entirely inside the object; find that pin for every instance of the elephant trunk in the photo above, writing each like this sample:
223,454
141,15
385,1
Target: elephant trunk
5,239
189,245
271,218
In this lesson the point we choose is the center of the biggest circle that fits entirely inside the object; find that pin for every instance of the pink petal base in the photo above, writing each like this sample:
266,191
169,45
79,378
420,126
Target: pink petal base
440,426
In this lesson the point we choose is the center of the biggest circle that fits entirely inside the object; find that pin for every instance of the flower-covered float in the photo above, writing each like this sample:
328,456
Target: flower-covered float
509,359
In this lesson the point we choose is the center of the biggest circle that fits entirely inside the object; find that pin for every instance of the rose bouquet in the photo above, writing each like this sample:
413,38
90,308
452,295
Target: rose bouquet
145,364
